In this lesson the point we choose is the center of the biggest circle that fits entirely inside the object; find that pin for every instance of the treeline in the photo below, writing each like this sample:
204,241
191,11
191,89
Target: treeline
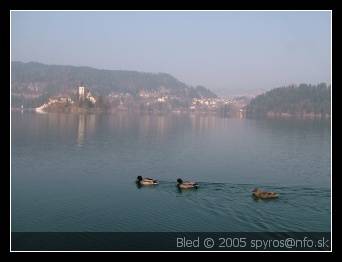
303,100
38,79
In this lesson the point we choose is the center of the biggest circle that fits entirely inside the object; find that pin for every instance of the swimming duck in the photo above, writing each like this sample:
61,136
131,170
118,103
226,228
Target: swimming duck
264,194
186,185
146,181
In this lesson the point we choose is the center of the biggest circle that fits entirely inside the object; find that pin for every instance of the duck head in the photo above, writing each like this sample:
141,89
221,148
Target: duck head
179,181
139,178
256,190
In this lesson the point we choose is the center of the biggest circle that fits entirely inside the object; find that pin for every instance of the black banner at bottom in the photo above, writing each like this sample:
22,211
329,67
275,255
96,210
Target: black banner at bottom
171,241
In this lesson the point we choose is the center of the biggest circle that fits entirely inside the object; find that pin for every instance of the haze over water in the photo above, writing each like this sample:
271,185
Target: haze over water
229,52
76,173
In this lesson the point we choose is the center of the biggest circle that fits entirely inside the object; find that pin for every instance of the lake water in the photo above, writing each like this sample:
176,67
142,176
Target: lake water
73,173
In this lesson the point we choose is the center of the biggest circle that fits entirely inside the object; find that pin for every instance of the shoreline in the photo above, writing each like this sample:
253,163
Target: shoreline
176,112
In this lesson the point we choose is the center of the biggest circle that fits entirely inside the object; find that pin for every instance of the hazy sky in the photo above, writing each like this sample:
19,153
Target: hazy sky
233,51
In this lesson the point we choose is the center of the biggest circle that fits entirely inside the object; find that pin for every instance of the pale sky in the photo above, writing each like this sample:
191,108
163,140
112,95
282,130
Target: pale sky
228,52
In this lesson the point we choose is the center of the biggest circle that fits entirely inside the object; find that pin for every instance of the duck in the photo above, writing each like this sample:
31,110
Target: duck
186,184
257,193
146,181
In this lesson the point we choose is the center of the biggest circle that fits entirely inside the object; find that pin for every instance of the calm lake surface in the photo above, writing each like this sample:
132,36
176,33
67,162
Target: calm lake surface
76,173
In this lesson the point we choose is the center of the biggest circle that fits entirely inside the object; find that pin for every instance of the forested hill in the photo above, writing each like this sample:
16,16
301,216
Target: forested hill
299,100
38,79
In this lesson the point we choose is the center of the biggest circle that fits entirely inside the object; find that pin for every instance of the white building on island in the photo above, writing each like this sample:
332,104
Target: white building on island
91,98
81,92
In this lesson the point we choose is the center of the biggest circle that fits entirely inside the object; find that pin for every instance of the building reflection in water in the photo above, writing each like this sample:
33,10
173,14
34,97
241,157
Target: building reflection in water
201,123
161,125
153,125
85,127
81,129
90,123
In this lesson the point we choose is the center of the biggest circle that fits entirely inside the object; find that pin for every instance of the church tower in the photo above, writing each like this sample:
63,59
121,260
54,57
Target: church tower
81,92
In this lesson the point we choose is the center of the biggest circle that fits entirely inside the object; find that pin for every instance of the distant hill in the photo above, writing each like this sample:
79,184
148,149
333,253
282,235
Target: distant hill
302,100
33,82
